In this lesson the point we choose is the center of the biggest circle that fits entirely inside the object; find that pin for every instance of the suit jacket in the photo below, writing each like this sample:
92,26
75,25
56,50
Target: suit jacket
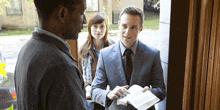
147,71
46,77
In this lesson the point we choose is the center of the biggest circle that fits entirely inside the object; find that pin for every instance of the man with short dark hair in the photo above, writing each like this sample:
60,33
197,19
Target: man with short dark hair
126,63
46,77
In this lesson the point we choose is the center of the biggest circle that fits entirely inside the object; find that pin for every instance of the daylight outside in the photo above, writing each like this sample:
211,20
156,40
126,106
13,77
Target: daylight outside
17,22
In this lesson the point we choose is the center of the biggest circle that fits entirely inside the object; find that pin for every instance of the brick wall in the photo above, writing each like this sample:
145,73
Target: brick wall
27,20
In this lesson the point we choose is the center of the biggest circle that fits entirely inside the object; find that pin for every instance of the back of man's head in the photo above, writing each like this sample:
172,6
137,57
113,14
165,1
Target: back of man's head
46,7
132,10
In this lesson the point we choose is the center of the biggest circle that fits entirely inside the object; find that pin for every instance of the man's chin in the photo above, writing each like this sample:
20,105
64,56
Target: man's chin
73,36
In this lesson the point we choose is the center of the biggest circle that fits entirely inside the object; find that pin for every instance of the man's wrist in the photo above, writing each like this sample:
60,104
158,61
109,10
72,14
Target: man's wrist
87,84
108,101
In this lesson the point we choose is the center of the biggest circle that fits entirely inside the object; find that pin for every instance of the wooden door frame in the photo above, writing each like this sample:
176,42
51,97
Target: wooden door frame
177,53
74,49
202,62
194,55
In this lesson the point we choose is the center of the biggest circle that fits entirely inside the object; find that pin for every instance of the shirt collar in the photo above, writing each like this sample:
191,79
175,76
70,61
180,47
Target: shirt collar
39,30
133,48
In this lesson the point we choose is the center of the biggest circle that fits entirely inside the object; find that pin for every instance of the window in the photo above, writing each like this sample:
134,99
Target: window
92,5
15,9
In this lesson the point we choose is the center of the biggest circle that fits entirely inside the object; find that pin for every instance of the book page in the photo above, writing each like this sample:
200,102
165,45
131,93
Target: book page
134,90
148,104
137,98
144,100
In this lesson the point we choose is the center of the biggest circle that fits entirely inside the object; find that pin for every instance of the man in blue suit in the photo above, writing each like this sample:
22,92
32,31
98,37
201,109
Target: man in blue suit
127,62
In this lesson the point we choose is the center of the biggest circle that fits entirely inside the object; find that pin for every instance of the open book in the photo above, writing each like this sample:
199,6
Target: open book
140,100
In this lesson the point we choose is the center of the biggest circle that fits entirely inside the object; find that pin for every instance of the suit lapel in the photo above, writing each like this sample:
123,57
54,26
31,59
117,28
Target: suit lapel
117,61
53,41
139,58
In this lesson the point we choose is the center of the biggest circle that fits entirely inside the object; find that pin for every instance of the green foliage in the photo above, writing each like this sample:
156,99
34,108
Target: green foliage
7,4
11,108
1,10
31,1
17,32
9,81
151,24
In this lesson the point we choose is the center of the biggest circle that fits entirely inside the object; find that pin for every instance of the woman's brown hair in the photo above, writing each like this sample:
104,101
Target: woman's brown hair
97,19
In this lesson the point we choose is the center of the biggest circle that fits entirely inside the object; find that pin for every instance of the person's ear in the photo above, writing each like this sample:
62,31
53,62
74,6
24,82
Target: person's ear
118,24
62,13
141,28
